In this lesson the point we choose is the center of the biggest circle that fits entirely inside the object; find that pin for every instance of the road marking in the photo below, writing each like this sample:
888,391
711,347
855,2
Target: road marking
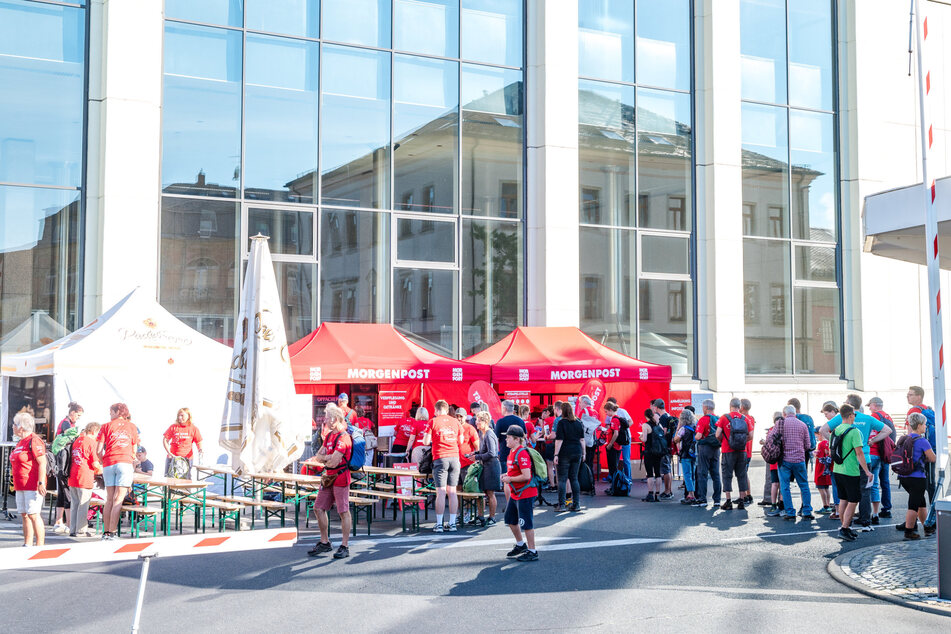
797,533
475,543
783,592
607,543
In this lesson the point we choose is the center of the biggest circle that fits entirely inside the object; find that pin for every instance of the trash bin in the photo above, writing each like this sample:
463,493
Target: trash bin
943,507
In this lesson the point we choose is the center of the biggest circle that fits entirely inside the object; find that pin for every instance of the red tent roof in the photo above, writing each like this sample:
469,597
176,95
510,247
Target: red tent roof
372,353
562,355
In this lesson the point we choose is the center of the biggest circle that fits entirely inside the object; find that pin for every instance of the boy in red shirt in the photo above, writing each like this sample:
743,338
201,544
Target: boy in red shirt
28,466
518,513
823,475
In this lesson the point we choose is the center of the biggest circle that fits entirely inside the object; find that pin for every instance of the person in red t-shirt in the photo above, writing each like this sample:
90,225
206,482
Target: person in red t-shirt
28,466
518,513
445,435
745,406
823,476
74,412
117,441
407,432
334,458
179,438
468,443
82,474
732,461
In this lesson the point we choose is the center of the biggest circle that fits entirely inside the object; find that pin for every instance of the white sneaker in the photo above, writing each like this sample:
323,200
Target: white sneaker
60,529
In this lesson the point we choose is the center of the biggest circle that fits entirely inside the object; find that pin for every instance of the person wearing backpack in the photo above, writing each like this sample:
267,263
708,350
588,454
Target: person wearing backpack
684,438
733,431
71,420
334,457
652,439
708,455
619,439
915,396
519,478
84,465
881,489
569,454
792,465
669,423
916,449
848,462
872,431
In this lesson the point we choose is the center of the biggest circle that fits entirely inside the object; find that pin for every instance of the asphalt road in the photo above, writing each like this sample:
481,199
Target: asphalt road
620,565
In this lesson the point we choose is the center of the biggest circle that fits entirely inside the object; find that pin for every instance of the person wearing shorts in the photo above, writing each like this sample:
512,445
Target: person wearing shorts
522,491
117,442
846,474
28,467
334,459
916,483
445,435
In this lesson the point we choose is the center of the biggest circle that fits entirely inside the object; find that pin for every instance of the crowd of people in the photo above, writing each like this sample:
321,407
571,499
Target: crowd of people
101,458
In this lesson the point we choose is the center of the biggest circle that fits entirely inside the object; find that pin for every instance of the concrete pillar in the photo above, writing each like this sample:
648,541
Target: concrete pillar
719,195
124,150
552,255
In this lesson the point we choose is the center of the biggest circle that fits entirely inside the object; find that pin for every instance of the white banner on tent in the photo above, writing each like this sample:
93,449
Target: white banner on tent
259,424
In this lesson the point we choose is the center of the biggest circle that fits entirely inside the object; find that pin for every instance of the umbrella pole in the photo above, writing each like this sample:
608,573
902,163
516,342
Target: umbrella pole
141,596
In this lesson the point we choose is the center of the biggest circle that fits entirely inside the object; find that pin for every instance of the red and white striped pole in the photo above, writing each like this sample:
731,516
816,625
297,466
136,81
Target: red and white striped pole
931,245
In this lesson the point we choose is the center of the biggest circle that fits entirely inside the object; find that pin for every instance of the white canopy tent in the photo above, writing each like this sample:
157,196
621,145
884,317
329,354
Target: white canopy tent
37,329
894,223
135,353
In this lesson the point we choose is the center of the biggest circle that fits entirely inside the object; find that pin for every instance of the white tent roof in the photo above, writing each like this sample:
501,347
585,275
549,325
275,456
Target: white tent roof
894,223
139,354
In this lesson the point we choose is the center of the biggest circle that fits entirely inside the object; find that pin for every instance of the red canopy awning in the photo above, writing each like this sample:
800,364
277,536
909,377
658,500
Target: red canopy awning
373,353
553,354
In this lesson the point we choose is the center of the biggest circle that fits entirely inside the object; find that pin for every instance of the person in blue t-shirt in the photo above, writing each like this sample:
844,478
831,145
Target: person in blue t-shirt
866,425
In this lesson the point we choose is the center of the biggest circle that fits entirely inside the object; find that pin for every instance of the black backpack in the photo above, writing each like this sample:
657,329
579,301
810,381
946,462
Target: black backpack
687,444
710,440
585,479
425,465
655,445
63,461
739,432
835,446
624,434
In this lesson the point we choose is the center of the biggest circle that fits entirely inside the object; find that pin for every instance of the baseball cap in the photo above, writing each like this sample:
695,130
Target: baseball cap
515,432
875,400
659,402
474,405
343,397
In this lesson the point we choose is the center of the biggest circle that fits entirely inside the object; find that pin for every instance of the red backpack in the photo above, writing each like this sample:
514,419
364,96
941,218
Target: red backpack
903,460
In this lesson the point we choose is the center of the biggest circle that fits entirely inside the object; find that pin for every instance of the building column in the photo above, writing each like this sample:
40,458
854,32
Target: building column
719,195
552,257
123,151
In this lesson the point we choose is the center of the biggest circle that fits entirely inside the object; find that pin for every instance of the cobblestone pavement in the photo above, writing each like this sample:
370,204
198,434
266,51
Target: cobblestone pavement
903,572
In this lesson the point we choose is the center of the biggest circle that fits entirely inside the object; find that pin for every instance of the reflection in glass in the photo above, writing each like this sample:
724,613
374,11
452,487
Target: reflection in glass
812,147
295,286
39,266
223,12
766,308
492,282
815,264
355,127
197,277
364,22
426,127
492,141
288,17
354,266
664,148
765,171
606,39
609,287
606,153
425,240
430,27
42,53
280,119
201,113
492,31
810,54
665,324
290,231
424,308
763,50
665,254
817,331
663,43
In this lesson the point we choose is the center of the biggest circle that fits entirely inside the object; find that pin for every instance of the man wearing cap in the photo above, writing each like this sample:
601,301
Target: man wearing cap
475,407
521,495
881,489
342,403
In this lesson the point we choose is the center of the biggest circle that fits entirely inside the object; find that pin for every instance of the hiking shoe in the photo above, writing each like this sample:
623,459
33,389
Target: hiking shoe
740,506
666,496
726,506
773,512
748,499
438,528
764,503
476,521
930,530
809,516
320,548
575,508
911,535
687,501
342,553
528,556
885,513
875,520
560,508
452,528
789,518
517,550
490,522
852,533
901,527
700,503
866,528
846,535
835,516
649,498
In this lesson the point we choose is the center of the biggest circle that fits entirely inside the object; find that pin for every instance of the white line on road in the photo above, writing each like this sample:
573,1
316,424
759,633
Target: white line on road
476,542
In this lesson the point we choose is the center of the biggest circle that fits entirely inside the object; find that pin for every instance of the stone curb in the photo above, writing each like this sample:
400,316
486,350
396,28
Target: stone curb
836,572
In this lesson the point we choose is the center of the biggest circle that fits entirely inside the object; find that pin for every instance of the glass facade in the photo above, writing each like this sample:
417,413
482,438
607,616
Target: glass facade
791,306
636,178
42,118
379,143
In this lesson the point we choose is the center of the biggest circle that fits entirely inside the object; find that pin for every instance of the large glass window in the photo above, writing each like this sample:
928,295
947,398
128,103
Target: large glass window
791,304
379,144
636,178
42,114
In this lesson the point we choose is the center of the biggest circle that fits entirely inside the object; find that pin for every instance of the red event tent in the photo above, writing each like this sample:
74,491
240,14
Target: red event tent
341,353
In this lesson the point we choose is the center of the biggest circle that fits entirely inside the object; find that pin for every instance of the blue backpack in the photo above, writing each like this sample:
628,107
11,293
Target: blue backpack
929,416
620,485
358,455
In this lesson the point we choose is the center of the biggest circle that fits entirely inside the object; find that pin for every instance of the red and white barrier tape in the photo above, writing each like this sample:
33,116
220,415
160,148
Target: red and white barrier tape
131,549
